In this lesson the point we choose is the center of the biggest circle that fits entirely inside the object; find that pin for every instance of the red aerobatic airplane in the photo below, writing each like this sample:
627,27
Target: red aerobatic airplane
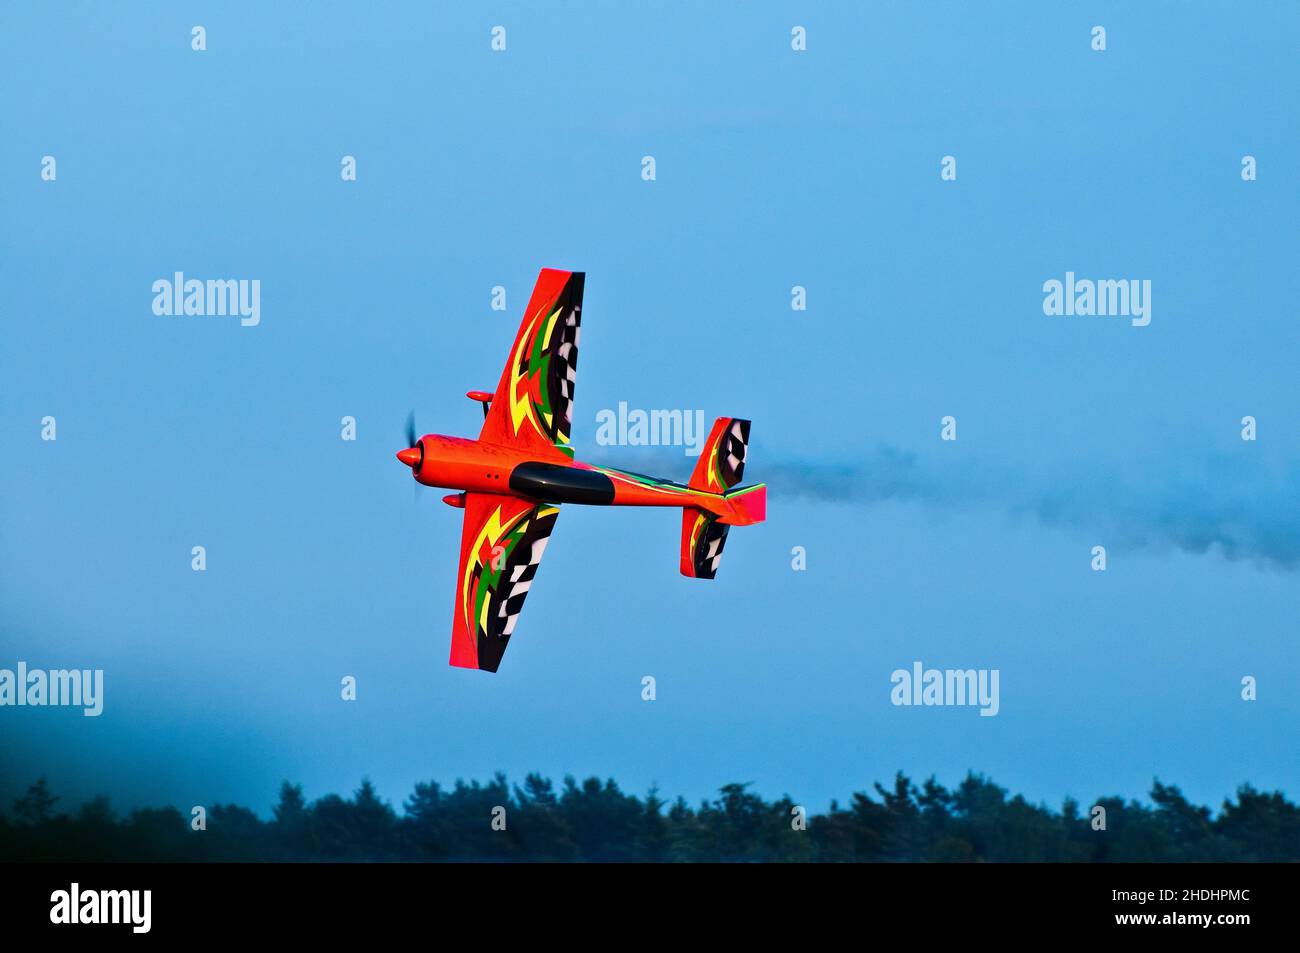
521,467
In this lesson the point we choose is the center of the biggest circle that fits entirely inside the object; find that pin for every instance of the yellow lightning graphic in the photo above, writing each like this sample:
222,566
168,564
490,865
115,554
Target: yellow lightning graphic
491,533
695,532
520,404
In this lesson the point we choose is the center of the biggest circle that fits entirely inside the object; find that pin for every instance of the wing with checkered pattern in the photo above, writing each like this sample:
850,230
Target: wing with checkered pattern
502,542
533,403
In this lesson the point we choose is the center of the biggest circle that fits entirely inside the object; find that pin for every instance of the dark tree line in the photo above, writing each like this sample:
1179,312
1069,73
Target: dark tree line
596,821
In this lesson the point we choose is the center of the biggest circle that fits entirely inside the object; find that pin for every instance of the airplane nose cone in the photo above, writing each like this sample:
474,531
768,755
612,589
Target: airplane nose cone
410,456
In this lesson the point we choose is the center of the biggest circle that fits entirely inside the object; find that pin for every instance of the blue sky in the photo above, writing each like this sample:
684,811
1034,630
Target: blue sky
774,169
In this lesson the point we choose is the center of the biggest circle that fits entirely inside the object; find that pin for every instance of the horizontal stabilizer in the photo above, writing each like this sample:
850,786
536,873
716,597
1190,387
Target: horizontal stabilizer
703,537
722,461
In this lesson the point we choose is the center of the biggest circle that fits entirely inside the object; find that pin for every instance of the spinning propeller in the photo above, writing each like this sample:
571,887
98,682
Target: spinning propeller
413,455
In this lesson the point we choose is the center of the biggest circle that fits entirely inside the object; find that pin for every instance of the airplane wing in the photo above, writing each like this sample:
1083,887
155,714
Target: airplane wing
533,404
501,546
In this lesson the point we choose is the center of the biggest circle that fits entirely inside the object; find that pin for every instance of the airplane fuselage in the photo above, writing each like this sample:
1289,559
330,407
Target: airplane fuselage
472,466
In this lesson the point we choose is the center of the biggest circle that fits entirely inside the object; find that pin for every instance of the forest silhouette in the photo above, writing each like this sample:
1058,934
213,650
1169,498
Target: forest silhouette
595,820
